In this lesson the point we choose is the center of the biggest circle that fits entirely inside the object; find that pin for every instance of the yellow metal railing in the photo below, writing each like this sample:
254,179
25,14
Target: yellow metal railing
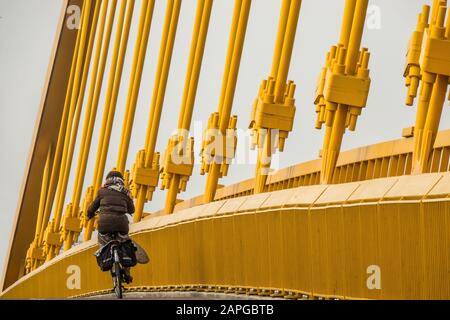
341,94
390,234
387,159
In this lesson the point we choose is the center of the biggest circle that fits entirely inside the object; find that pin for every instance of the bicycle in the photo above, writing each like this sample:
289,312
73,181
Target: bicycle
117,256
117,270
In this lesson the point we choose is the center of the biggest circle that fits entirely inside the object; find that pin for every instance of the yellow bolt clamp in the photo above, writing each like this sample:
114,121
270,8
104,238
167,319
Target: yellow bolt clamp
268,114
71,226
413,73
207,155
319,99
435,57
51,239
88,199
36,253
126,178
221,152
348,89
412,70
142,176
178,160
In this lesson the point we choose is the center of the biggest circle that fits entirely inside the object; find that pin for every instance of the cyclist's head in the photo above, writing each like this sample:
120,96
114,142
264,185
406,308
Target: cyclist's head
114,177
114,174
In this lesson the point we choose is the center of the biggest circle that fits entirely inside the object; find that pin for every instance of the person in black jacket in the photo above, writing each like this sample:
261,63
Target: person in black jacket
114,202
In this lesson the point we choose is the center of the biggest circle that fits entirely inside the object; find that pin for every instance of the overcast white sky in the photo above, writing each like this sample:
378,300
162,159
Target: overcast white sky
27,29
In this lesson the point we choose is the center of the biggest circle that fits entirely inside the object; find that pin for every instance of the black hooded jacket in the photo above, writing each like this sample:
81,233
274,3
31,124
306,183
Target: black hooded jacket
113,206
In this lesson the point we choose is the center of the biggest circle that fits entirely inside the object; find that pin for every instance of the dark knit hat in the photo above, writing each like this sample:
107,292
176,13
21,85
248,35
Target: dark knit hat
114,174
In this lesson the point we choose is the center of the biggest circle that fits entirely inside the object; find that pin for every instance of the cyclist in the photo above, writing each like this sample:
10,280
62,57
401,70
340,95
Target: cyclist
113,202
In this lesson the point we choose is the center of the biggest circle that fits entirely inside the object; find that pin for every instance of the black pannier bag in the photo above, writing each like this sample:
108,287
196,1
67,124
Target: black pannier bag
126,251
127,254
105,258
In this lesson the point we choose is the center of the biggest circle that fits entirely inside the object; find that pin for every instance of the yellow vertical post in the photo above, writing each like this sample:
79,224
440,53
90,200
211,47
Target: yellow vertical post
274,110
116,87
95,95
114,81
35,254
412,71
282,23
71,222
438,95
175,174
343,85
135,81
145,172
215,162
60,144
339,122
81,73
428,60
347,22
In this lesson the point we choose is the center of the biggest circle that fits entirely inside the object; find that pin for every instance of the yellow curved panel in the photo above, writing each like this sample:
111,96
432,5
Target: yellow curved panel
331,247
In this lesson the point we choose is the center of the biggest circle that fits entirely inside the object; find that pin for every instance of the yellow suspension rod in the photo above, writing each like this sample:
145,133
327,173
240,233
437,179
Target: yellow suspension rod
349,13
60,141
105,50
115,77
356,37
339,122
427,137
116,88
229,58
92,104
190,90
44,191
135,81
107,105
90,115
197,64
192,53
165,55
265,153
346,29
232,66
288,46
235,65
81,72
32,261
282,24
164,61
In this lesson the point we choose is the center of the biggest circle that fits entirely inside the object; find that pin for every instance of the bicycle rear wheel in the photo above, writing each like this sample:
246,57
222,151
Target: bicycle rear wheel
117,279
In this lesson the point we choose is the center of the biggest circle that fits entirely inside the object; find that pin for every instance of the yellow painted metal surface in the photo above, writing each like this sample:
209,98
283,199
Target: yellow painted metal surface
56,83
178,162
283,235
318,241
395,157
428,66
273,111
343,86
148,158
221,128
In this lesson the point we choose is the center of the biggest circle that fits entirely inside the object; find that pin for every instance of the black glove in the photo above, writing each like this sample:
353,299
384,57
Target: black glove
90,216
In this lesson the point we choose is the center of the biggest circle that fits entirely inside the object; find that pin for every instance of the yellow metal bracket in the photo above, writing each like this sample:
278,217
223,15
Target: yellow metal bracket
142,176
181,149
428,65
218,148
435,56
268,114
